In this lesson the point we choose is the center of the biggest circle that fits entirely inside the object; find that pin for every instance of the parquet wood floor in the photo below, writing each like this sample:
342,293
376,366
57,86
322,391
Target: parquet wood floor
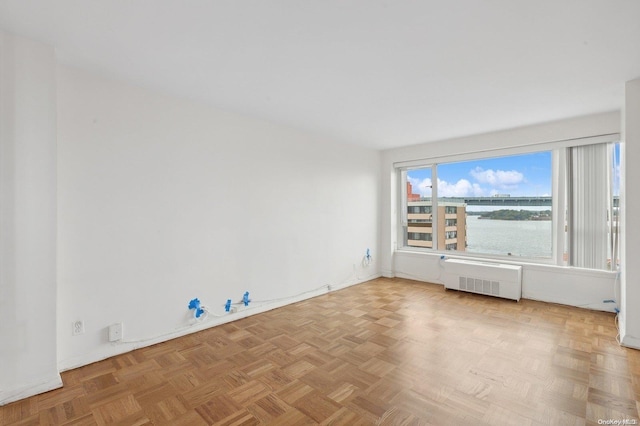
389,351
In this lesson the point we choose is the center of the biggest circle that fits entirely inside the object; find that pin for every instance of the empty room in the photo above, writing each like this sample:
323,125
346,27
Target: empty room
322,212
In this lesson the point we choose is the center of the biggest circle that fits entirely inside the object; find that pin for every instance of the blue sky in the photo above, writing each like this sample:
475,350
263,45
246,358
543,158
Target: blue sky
516,175
616,170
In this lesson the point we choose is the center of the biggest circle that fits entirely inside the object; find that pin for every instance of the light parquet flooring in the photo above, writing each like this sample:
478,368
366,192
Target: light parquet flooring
389,351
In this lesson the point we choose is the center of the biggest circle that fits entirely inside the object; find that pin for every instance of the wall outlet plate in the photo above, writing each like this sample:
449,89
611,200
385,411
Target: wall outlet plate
77,327
115,332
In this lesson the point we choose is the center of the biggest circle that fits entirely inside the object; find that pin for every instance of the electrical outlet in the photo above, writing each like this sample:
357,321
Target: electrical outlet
77,327
115,332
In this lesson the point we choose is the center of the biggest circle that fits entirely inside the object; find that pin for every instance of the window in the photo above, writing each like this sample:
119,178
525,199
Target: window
451,209
476,201
592,191
506,206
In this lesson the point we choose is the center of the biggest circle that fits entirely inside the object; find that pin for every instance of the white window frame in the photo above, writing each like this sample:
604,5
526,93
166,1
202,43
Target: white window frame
559,191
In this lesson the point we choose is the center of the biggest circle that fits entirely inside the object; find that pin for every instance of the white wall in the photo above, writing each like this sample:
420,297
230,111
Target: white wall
27,219
161,200
569,286
630,315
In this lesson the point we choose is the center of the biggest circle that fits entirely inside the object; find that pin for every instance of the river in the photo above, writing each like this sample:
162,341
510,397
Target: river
528,238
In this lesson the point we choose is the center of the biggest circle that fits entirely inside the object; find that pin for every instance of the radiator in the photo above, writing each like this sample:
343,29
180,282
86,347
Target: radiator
493,279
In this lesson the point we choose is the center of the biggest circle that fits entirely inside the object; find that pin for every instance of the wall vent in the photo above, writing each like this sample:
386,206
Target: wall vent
493,279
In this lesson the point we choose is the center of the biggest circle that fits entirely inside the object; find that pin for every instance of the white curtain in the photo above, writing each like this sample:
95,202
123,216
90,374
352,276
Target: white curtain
591,227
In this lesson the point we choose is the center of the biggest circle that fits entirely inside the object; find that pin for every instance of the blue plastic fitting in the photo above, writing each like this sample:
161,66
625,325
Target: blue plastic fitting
195,304
245,298
227,306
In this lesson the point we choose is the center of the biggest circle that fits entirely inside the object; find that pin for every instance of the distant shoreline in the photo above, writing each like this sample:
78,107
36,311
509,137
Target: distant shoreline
505,214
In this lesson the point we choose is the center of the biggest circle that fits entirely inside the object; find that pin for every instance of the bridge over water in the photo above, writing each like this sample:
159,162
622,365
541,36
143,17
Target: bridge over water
506,201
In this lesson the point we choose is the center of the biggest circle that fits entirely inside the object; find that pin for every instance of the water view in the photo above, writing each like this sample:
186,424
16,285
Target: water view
528,238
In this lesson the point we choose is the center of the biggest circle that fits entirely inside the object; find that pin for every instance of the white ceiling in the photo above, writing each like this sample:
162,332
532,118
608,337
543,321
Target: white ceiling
376,73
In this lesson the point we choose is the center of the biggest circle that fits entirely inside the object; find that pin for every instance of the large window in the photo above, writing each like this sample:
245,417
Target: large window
554,206
592,206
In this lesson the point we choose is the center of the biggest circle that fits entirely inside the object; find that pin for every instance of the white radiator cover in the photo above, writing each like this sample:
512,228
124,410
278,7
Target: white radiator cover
490,278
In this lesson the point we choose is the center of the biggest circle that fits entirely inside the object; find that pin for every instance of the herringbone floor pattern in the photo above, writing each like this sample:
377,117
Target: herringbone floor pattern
389,351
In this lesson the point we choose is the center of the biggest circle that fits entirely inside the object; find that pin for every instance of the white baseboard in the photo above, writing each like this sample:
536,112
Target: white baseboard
51,383
630,341
124,347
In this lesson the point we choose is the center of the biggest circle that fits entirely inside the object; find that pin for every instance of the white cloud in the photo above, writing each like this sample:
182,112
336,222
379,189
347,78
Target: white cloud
495,181
420,186
462,188
502,179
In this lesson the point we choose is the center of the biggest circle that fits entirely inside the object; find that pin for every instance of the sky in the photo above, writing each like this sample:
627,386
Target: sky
515,175
616,170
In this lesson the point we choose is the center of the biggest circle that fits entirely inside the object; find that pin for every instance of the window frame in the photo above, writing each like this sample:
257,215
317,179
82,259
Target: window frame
559,188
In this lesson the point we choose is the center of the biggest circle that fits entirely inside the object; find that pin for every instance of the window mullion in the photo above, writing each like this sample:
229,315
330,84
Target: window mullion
561,213
434,207
403,225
